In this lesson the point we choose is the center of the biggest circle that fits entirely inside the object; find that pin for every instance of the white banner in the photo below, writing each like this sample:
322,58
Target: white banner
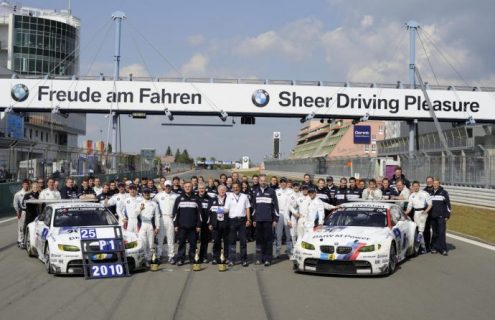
242,99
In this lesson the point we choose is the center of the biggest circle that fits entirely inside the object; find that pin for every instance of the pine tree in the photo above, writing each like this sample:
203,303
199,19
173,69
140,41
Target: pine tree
169,151
178,156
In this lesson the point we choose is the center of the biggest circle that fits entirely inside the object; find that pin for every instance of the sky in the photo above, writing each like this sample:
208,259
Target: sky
329,40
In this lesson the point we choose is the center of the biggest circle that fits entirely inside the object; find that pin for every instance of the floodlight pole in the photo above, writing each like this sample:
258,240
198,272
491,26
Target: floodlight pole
117,16
413,27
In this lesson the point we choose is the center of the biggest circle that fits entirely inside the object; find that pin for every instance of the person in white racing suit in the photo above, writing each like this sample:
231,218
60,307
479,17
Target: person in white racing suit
118,200
419,201
303,201
150,222
316,211
50,193
286,206
20,210
131,210
165,200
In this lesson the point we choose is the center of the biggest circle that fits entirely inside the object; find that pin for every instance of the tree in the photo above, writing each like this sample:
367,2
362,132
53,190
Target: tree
169,151
185,157
178,156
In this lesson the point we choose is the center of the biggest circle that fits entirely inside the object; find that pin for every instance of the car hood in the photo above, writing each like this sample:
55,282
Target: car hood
346,235
71,236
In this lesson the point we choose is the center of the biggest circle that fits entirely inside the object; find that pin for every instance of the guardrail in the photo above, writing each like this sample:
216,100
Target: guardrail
462,195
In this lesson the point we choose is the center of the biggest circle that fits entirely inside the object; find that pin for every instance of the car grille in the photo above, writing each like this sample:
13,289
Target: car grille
336,266
327,249
344,250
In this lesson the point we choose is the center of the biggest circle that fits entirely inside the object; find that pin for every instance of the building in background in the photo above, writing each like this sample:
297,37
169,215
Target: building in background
38,42
336,139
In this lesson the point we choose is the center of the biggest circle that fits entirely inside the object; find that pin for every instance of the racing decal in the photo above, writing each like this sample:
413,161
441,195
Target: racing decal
397,234
44,233
65,230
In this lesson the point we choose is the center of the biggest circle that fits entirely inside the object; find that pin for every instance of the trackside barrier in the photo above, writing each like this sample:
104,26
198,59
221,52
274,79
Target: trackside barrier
463,195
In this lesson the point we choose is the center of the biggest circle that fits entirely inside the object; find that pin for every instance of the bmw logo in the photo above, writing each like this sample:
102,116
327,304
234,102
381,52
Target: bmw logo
260,98
19,92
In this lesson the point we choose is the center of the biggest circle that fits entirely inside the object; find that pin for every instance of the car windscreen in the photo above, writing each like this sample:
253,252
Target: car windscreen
80,217
358,217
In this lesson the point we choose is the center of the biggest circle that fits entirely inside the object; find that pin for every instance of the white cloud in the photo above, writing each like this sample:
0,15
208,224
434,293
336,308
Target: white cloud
196,40
196,66
137,70
367,21
296,40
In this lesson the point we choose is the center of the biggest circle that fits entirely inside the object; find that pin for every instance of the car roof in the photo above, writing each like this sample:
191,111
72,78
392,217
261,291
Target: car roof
76,204
369,204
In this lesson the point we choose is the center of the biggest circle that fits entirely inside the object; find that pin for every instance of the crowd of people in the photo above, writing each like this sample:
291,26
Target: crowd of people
234,209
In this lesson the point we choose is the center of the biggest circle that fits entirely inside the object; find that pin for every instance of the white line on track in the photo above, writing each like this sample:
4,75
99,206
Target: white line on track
473,242
7,220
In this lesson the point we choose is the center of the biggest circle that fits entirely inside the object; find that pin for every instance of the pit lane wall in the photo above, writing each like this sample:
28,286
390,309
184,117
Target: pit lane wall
8,190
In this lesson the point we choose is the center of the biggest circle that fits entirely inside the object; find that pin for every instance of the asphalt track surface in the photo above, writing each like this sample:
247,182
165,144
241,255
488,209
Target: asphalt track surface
460,286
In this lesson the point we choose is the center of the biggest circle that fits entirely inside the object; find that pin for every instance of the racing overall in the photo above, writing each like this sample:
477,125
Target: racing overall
420,201
286,203
303,207
131,211
166,202
150,219
118,200
21,217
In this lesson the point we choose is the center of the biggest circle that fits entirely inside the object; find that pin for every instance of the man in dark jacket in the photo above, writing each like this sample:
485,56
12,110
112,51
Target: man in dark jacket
427,234
69,191
440,213
265,216
204,236
187,223
398,175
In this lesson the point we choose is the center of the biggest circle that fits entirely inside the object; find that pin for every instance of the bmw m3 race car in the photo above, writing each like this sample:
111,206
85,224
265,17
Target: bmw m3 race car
359,238
54,237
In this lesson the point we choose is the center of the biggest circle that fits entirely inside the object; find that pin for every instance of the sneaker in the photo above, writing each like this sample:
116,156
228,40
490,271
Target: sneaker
205,261
422,251
180,263
434,251
230,263
444,253
214,261
172,261
258,262
245,264
147,264
267,264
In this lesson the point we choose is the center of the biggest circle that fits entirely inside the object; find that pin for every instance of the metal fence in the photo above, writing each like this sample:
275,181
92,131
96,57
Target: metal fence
20,159
470,170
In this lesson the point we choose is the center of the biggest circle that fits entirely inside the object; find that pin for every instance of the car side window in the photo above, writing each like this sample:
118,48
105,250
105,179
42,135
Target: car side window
42,215
395,215
48,216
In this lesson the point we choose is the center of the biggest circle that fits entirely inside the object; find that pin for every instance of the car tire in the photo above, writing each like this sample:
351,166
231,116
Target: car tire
29,249
392,260
415,246
48,265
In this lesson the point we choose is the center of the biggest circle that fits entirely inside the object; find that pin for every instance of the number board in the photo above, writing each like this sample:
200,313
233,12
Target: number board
103,252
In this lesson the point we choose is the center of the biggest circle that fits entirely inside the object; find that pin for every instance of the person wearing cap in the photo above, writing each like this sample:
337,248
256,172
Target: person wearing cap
265,217
286,208
187,223
132,210
166,200
150,223
118,201
332,190
316,210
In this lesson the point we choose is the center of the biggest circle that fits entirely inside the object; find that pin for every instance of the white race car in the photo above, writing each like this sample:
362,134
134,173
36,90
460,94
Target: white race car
55,238
360,238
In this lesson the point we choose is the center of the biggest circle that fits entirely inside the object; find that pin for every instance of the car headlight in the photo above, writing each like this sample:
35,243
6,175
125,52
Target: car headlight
370,248
307,245
131,245
68,247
